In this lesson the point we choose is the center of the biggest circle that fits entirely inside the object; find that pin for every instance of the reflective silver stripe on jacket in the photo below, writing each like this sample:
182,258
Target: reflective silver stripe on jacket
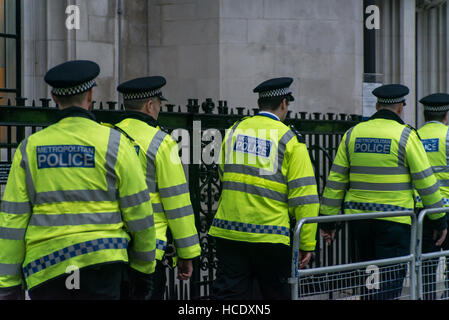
400,186
447,147
303,200
402,144
331,202
348,138
187,242
256,172
429,190
147,256
179,212
174,190
10,269
301,182
256,190
151,158
339,169
25,164
75,195
423,174
140,224
16,207
12,234
337,185
443,183
58,220
440,169
158,207
282,145
134,199
439,204
379,170
111,158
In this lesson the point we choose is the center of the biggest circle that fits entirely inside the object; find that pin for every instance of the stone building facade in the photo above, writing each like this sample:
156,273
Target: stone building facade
221,49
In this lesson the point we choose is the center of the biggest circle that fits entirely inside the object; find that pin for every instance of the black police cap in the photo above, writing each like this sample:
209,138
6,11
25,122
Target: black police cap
391,94
277,87
72,77
437,102
143,88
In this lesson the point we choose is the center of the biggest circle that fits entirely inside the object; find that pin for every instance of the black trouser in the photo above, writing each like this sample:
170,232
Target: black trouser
429,267
445,246
159,281
380,239
240,263
98,282
136,285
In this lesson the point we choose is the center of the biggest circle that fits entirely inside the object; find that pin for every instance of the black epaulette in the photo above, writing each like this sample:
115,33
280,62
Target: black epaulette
413,129
124,132
162,128
300,137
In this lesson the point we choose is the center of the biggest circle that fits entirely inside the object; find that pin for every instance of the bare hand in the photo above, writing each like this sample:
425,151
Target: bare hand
304,258
328,236
439,236
185,269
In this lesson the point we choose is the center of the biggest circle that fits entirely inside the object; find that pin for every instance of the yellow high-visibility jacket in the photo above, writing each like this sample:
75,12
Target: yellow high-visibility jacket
170,197
376,163
435,138
75,196
266,175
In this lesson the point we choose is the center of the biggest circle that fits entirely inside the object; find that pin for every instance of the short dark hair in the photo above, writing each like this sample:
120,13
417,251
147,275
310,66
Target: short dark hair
134,105
137,104
272,103
434,116
74,100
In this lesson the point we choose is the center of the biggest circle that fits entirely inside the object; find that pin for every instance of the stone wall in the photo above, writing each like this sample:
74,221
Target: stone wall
223,48
117,42
318,43
184,47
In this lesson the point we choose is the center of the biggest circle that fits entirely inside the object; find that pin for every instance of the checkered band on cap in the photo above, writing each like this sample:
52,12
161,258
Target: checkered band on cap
390,101
436,108
74,90
275,93
142,95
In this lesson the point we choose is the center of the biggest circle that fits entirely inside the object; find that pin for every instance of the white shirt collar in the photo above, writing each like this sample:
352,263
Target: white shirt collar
434,121
267,112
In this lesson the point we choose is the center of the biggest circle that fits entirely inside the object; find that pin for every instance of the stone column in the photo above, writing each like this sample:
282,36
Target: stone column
395,47
112,33
432,52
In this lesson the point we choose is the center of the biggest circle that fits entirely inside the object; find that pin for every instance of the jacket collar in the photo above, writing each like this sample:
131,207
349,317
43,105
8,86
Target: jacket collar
75,111
142,117
386,114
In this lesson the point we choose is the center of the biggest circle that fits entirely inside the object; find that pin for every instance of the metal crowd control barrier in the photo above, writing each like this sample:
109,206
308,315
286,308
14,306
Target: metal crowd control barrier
359,280
432,267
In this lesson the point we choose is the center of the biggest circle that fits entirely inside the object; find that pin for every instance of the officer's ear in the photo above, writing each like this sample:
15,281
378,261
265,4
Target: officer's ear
149,106
400,110
284,104
445,118
90,96
89,99
377,106
55,99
